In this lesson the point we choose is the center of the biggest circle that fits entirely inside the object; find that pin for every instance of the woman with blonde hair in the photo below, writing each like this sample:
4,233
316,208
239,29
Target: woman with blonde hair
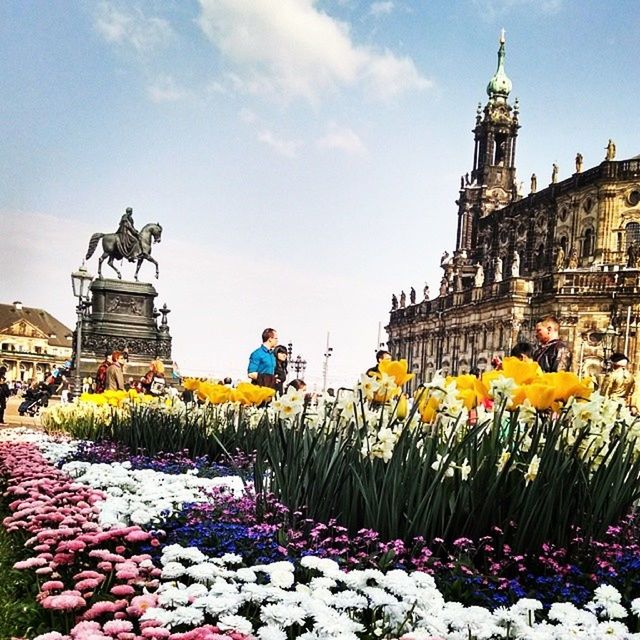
153,381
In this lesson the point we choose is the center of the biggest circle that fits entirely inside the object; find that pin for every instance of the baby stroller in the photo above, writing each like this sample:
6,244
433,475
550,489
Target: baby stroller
33,401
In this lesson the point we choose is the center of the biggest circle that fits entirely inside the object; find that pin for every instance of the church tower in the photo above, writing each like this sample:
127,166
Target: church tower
492,184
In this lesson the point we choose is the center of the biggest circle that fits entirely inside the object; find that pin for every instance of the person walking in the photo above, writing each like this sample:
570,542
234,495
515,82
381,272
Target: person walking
552,354
262,361
115,372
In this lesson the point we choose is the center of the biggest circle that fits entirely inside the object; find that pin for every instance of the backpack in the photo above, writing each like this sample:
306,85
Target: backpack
101,377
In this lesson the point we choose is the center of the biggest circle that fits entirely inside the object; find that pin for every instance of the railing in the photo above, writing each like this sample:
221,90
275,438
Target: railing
12,353
625,282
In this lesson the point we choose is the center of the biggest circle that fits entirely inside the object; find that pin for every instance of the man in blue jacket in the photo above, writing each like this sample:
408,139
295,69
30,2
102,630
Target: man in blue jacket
262,362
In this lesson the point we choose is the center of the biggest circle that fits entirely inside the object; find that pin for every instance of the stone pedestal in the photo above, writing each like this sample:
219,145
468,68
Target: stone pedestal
123,317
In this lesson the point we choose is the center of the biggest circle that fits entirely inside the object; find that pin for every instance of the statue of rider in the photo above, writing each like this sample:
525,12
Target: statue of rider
128,237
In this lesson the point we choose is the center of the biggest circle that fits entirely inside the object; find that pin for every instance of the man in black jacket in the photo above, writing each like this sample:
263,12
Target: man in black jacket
552,353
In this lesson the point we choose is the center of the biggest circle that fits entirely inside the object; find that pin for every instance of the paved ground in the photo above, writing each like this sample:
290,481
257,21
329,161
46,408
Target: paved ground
12,418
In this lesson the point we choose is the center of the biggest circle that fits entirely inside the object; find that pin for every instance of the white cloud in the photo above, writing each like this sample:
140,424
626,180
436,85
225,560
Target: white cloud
130,26
290,49
165,89
287,148
381,8
343,139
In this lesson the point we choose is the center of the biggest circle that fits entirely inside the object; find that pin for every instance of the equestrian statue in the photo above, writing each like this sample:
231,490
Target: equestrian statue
127,243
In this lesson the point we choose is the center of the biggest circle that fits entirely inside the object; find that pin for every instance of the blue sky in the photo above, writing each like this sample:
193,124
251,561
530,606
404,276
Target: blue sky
302,156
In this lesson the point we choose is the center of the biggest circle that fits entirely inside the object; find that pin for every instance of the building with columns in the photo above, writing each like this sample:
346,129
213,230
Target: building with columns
32,342
570,248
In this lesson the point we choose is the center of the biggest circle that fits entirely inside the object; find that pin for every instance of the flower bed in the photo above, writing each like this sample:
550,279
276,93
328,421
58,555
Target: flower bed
101,582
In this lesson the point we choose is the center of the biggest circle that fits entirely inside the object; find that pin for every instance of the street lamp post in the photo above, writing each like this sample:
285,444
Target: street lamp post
325,367
80,281
608,340
299,366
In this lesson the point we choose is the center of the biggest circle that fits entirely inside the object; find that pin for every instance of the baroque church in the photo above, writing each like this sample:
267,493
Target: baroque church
569,249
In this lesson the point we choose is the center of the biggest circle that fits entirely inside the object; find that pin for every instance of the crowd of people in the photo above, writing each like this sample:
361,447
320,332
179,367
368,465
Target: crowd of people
268,367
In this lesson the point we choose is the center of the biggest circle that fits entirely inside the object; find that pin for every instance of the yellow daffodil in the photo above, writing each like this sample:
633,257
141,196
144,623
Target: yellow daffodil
521,371
403,407
568,385
247,393
470,390
397,369
191,384
540,395
428,408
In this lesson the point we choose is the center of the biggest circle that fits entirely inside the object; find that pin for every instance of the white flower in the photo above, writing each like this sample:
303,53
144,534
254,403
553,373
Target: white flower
271,633
502,461
605,594
234,623
231,558
204,572
610,629
173,570
246,575
532,471
439,464
173,597
191,616
282,615
164,617
465,470
325,565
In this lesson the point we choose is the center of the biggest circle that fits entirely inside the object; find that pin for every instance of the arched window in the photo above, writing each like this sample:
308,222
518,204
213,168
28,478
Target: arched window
587,243
632,233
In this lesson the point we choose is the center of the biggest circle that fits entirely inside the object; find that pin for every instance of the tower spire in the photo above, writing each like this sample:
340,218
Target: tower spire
500,85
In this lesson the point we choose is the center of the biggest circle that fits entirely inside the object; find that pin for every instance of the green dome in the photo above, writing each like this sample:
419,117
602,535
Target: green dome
499,85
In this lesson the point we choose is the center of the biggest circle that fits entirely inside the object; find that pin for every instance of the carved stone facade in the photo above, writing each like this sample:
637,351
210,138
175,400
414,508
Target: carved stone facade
123,317
577,247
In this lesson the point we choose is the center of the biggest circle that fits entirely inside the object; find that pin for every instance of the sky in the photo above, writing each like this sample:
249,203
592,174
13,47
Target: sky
302,156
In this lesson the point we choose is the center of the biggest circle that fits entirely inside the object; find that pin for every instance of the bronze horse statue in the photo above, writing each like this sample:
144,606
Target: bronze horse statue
112,248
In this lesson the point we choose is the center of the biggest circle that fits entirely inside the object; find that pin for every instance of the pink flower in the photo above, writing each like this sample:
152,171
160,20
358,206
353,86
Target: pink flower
88,574
84,628
44,571
89,584
53,585
99,608
64,602
155,632
30,563
122,590
140,604
127,574
137,536
52,635
114,627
